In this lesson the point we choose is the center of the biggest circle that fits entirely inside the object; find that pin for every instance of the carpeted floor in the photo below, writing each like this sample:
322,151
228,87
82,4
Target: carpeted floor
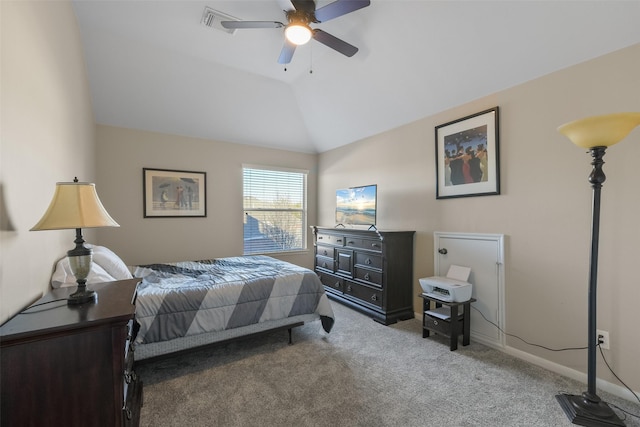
361,374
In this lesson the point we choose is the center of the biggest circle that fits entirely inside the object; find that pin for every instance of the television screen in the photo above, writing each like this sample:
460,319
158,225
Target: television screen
356,205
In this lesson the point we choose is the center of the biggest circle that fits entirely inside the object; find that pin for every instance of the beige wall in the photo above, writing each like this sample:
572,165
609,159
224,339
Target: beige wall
122,154
544,208
47,135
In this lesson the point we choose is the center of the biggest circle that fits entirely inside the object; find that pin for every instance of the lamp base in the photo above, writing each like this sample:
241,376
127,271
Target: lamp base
82,296
588,410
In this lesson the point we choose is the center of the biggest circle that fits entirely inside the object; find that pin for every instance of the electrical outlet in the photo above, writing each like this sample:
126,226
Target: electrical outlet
603,339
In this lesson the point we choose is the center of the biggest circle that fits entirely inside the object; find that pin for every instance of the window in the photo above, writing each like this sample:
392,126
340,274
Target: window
275,210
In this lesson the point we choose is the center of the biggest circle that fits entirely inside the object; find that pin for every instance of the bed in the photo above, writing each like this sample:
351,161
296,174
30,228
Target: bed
189,304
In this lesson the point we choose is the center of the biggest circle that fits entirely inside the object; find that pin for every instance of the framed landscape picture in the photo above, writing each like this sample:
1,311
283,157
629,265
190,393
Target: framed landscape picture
174,193
467,156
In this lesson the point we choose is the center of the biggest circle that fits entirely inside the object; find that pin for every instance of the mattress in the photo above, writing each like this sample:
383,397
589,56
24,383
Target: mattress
191,303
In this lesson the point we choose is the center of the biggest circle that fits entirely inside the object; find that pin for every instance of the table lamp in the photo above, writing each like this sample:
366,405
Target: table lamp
596,134
77,205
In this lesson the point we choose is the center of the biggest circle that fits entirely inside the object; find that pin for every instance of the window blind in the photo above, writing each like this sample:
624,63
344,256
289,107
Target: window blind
275,213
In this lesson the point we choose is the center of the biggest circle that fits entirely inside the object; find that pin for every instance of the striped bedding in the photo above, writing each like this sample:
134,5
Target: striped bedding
195,297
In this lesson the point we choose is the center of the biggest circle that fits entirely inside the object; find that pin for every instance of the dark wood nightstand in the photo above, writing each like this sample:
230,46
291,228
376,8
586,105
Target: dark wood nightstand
72,365
449,322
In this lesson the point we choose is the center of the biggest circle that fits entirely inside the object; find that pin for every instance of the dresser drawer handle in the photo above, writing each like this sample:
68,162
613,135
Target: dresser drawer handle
338,285
130,376
368,261
320,237
350,242
366,276
324,265
375,245
349,288
435,323
339,240
374,297
326,252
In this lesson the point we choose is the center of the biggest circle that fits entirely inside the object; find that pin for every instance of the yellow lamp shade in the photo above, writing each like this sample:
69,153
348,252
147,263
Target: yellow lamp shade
75,205
600,131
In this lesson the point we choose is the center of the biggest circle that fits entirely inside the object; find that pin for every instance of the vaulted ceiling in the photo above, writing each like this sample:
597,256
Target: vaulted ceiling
153,65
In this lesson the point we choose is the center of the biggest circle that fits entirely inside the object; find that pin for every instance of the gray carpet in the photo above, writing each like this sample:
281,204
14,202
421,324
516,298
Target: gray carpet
361,374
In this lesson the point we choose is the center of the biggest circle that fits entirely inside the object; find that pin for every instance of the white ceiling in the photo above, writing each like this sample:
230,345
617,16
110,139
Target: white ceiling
153,66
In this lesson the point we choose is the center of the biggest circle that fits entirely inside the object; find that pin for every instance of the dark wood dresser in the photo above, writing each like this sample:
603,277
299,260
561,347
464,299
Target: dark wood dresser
72,365
370,271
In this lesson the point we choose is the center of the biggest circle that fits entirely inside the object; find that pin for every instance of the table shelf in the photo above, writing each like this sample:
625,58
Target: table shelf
446,319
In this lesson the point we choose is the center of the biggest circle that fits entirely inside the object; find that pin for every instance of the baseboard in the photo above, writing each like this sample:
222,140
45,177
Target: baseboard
614,389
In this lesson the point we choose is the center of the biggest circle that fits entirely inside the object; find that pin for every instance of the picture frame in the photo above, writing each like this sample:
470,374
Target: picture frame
468,156
169,193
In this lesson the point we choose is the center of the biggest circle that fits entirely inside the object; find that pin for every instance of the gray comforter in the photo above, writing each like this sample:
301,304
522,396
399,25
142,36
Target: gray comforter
194,297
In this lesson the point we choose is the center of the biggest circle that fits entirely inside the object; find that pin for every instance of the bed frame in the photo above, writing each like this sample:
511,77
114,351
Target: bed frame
156,350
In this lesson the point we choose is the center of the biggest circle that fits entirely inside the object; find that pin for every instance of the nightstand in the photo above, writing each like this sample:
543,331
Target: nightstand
65,365
446,319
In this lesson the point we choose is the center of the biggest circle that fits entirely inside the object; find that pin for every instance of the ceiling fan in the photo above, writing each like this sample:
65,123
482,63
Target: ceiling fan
300,14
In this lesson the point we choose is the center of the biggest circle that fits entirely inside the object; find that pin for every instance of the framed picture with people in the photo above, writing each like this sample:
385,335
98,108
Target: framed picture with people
174,193
467,156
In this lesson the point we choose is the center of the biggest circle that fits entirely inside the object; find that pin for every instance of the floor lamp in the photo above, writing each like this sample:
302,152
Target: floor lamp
595,134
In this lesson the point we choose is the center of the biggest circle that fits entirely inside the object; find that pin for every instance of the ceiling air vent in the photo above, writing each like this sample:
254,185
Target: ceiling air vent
211,18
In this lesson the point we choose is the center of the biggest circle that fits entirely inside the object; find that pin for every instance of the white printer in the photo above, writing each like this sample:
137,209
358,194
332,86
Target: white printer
453,288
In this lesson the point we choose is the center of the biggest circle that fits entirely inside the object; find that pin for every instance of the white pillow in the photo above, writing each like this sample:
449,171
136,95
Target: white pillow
63,277
111,263
105,267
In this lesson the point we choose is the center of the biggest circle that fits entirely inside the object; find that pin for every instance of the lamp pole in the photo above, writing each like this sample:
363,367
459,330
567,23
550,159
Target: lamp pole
596,178
588,409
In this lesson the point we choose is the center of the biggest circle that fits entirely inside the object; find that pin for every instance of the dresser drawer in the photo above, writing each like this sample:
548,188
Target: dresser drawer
364,293
324,250
330,239
331,281
324,263
369,260
372,277
368,244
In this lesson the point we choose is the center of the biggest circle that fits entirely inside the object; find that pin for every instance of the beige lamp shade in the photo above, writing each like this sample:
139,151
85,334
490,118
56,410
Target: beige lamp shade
600,131
75,205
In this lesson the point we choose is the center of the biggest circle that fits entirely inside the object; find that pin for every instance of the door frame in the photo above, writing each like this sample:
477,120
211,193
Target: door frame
499,240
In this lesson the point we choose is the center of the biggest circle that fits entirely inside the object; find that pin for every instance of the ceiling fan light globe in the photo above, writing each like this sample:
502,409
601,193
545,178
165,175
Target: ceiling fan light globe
298,34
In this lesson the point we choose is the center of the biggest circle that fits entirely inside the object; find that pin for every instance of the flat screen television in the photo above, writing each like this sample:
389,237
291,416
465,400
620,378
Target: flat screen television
356,205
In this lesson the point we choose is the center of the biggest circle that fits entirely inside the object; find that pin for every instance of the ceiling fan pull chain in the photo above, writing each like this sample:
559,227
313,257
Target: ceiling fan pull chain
310,59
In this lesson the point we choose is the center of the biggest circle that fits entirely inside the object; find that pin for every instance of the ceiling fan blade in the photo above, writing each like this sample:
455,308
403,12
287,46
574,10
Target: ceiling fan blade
334,43
251,24
339,8
287,52
307,6
286,5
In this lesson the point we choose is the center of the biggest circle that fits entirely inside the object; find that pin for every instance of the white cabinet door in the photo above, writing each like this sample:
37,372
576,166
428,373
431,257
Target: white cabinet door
484,254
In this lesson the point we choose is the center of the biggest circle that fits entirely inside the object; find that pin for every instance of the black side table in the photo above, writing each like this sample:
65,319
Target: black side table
449,321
